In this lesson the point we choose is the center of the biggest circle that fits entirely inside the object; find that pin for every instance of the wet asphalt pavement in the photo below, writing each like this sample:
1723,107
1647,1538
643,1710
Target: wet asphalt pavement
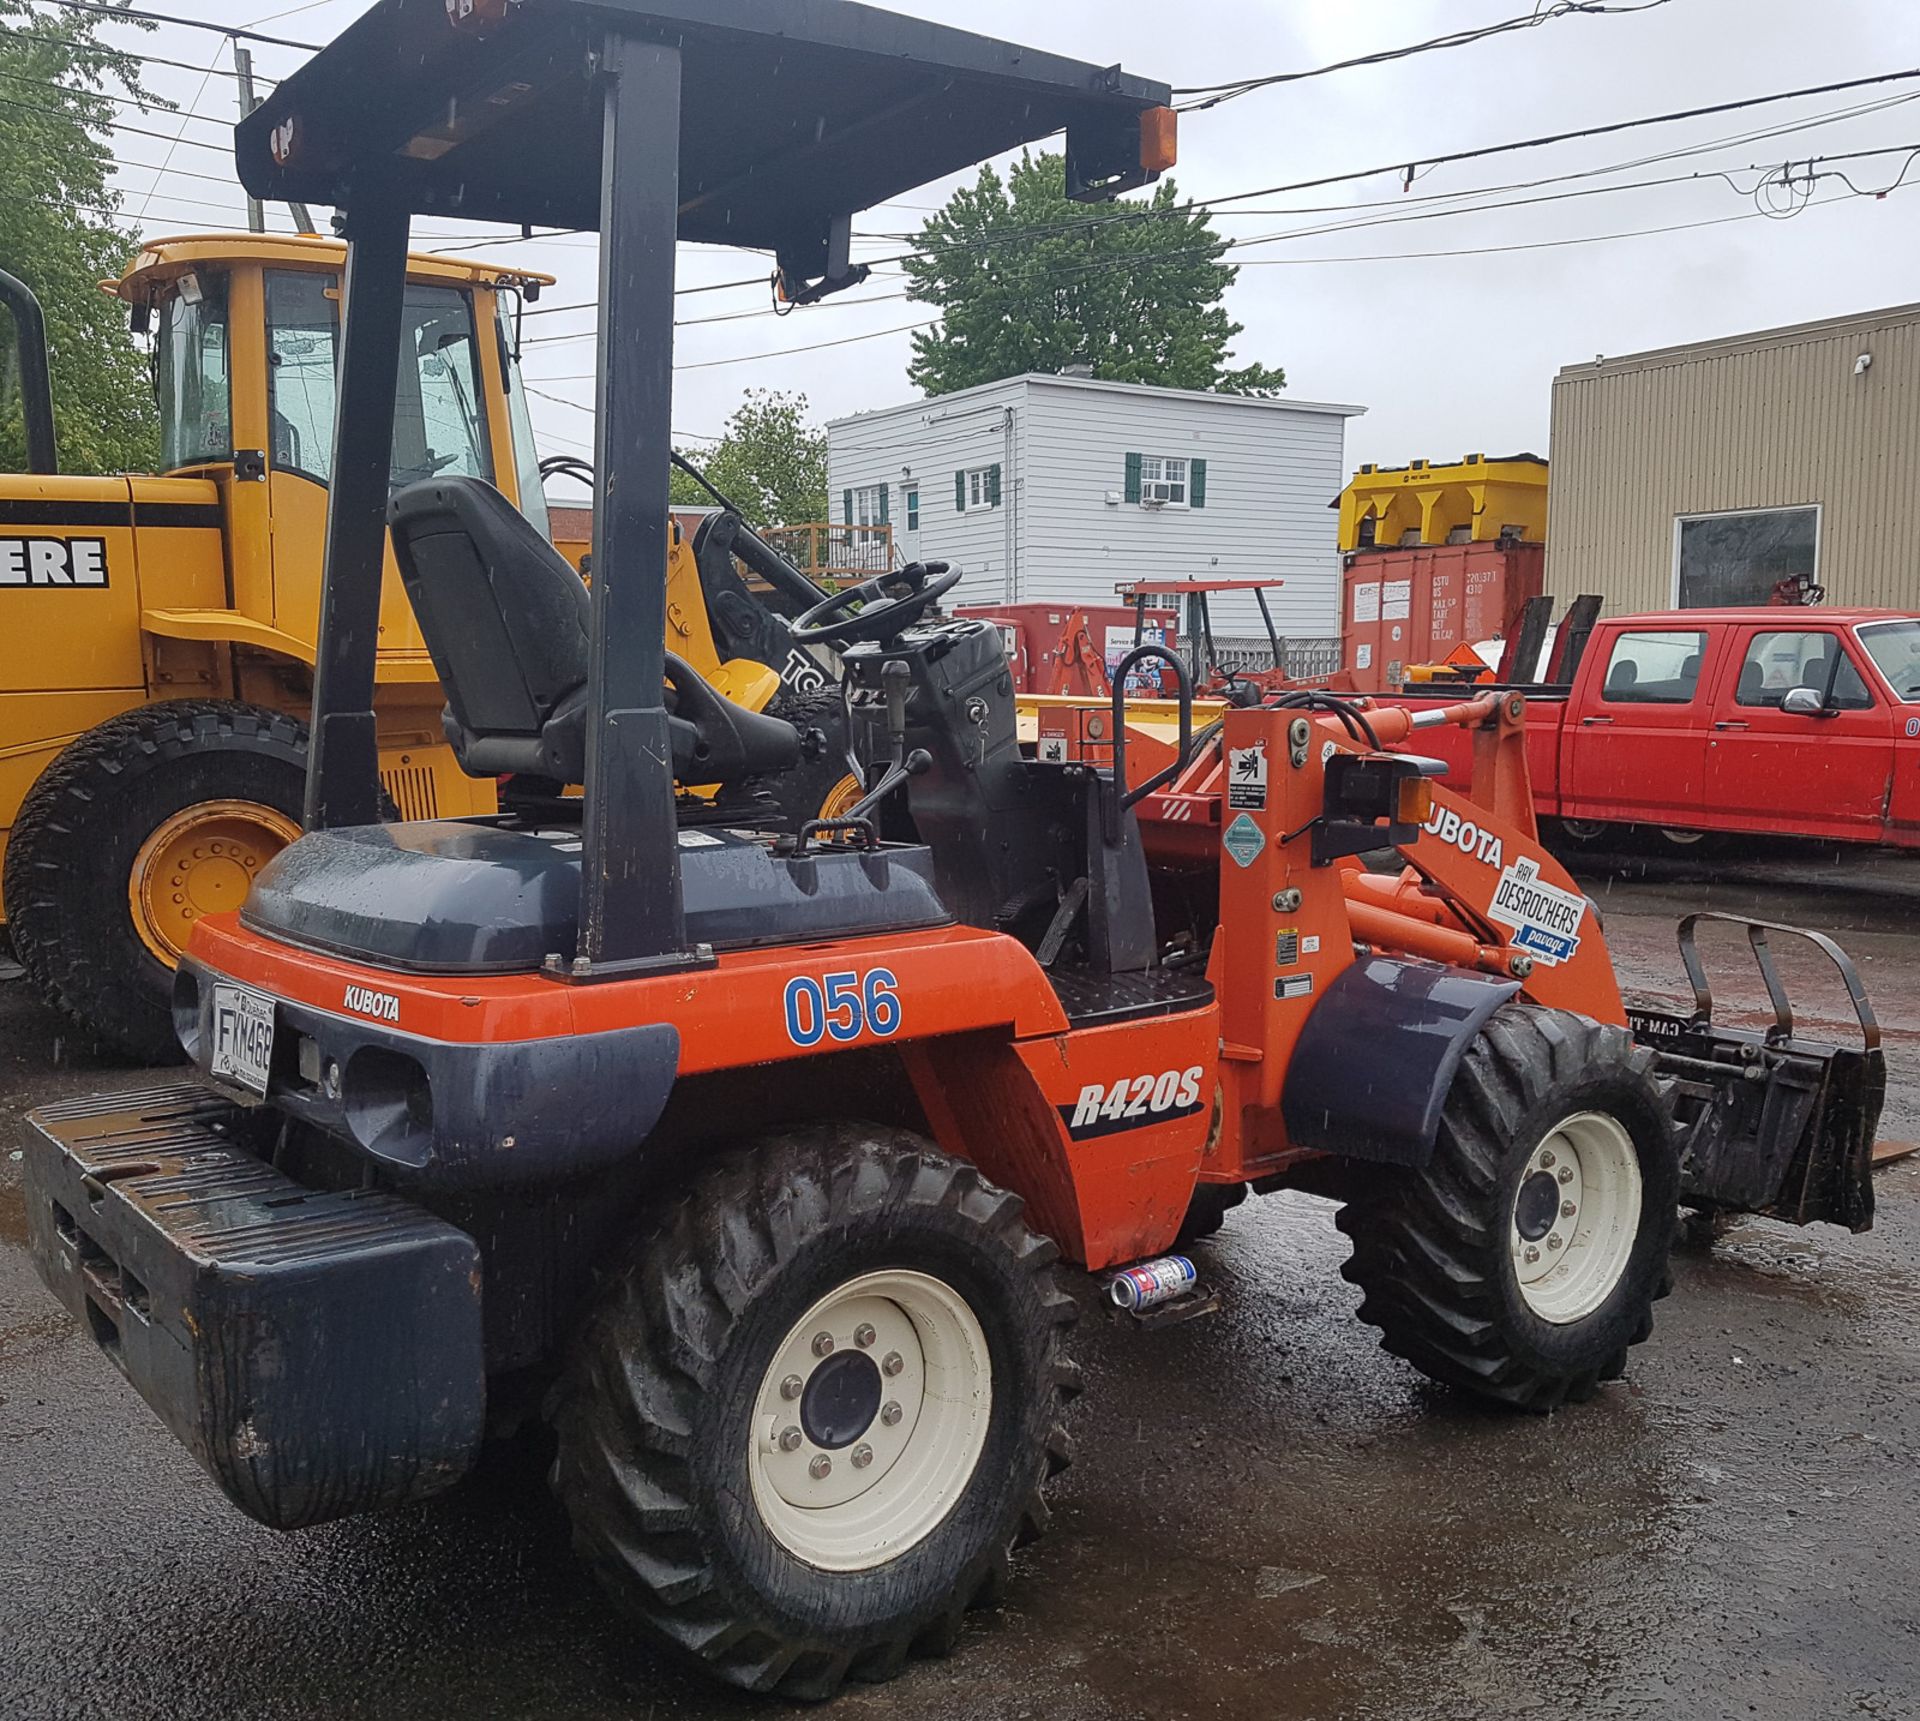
1268,1517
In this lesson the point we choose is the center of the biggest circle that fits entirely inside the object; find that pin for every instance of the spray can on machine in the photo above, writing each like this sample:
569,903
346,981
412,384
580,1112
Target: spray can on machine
1152,1282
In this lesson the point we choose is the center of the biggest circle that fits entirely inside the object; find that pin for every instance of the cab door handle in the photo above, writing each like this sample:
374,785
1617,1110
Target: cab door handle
1589,722
1733,723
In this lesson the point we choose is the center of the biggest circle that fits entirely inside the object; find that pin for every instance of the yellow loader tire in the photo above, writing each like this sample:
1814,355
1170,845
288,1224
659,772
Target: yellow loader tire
821,788
140,828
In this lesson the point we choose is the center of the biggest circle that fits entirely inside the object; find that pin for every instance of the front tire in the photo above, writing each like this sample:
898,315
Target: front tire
809,1420
1524,1259
140,828
822,788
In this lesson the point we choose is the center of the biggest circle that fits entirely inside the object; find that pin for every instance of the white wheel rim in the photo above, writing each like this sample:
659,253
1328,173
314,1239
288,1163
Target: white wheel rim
1575,1216
856,1490
1682,839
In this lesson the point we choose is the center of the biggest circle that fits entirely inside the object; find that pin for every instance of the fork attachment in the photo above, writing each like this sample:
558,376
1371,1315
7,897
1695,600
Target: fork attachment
1772,1121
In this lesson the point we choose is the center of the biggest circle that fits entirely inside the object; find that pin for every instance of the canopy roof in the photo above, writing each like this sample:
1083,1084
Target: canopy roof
794,113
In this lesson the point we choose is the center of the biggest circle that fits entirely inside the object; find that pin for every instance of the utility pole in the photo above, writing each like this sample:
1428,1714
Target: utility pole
256,214
243,70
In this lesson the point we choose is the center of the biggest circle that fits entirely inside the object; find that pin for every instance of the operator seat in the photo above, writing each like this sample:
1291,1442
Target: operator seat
506,621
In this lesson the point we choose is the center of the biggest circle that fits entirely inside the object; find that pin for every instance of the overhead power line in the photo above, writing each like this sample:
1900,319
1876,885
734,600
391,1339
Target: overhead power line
1214,94
232,31
1300,262
115,125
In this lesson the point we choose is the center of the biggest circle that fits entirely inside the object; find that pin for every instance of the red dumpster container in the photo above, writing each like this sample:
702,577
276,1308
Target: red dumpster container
1414,604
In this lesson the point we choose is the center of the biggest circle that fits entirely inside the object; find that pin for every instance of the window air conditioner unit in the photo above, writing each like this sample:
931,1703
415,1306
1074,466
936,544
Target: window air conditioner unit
1156,495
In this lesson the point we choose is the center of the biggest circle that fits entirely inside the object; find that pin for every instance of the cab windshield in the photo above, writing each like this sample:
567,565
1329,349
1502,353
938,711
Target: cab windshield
1894,647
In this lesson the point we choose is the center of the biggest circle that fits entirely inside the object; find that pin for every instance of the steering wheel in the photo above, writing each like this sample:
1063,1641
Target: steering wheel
879,609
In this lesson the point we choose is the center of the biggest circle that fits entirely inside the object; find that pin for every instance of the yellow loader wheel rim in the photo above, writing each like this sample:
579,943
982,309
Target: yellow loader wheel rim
201,861
844,794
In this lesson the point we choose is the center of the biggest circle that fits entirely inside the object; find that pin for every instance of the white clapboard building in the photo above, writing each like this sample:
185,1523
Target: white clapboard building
1060,488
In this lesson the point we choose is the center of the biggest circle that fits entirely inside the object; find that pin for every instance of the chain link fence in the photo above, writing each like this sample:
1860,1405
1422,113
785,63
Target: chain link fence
1246,653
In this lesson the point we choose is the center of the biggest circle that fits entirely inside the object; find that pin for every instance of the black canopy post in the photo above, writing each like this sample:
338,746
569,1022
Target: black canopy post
343,769
1266,615
36,377
630,909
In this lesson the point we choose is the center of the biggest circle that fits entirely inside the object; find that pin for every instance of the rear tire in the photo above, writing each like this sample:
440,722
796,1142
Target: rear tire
1472,1267
692,1489
97,892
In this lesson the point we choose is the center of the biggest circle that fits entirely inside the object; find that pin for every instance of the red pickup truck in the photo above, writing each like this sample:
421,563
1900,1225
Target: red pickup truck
1787,722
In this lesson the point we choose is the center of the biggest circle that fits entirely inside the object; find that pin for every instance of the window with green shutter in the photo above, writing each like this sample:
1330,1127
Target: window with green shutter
1197,484
846,507
1133,477
977,487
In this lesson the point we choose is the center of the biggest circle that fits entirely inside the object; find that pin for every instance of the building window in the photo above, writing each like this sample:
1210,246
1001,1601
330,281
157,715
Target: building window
1166,481
1722,559
913,507
1777,663
1163,481
1654,668
867,506
977,487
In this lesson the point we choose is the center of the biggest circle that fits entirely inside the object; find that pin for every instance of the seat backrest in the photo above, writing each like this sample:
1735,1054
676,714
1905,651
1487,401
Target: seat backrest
506,623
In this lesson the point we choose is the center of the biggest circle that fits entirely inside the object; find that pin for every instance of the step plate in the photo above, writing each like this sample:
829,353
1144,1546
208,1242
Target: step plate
318,1351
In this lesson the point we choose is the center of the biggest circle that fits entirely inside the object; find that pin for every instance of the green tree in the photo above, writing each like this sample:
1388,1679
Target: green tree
1027,280
769,461
57,234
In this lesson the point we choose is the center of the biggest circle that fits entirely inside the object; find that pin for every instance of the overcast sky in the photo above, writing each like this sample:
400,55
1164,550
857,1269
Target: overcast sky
1449,354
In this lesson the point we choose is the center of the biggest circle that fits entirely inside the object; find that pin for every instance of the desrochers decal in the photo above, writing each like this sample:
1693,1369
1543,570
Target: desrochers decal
53,562
1545,919
1132,1102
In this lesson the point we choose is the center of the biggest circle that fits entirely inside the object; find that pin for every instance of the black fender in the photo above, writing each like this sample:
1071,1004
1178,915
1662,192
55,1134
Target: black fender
1372,1067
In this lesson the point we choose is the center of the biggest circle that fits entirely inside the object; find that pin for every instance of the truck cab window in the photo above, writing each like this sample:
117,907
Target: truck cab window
437,424
1654,668
196,392
1894,647
1778,662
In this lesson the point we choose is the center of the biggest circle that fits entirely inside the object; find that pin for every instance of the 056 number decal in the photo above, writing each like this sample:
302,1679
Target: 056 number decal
842,1006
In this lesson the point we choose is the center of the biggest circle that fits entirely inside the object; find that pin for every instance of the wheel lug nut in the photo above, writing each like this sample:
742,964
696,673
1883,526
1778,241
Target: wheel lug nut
892,1363
862,1457
823,1344
821,1468
792,1386
790,1440
864,1335
1532,1255
1567,1210
890,1414
1547,1160
1566,1174
1553,1242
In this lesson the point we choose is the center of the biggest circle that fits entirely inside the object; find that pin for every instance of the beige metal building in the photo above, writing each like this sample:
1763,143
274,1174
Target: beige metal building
1708,474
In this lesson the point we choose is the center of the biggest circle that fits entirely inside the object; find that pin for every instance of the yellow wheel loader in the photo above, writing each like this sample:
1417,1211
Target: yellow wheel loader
157,631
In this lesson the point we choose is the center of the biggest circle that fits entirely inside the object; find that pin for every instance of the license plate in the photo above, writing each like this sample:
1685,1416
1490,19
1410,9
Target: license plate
242,1036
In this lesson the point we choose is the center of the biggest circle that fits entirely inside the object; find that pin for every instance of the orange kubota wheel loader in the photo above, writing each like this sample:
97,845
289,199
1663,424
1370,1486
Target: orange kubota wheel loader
744,1162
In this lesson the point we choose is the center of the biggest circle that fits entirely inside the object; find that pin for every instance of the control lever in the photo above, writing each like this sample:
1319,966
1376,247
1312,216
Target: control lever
916,762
